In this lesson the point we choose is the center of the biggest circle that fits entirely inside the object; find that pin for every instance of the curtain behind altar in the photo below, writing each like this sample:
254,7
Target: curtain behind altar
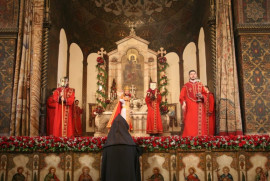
26,88
229,119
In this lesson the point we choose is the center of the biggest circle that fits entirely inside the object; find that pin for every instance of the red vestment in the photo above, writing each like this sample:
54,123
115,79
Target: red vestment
64,110
51,104
154,122
193,177
77,120
210,113
194,115
118,109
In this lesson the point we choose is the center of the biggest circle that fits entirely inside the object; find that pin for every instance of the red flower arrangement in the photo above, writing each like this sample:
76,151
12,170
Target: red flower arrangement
162,60
164,76
164,109
99,110
88,144
100,61
108,101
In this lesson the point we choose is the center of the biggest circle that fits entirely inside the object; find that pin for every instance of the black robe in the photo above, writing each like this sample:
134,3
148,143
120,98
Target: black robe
120,158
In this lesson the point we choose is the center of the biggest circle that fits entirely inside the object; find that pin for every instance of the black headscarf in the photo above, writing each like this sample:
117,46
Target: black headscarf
119,134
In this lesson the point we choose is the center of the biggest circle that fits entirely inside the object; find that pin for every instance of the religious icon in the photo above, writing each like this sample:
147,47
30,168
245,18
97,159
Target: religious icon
133,58
85,176
133,70
19,175
226,176
51,176
260,174
156,175
192,176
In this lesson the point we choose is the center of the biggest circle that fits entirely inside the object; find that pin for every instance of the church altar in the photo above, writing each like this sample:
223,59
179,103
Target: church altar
132,64
173,156
139,119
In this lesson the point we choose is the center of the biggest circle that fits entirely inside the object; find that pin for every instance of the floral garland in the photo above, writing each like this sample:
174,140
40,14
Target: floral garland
95,144
163,82
102,85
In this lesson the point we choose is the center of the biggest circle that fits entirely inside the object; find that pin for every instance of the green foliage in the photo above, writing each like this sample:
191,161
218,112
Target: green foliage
102,81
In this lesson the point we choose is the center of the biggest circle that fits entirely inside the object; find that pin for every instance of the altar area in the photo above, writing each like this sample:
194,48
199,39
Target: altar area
104,45
132,64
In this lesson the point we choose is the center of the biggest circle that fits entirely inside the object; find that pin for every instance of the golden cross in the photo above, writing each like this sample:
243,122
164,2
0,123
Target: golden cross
133,89
162,52
102,52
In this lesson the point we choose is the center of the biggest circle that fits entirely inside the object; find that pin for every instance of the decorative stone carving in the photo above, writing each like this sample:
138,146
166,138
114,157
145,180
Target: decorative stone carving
101,122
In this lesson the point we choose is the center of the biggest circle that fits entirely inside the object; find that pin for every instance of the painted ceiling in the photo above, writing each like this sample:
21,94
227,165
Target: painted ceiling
100,23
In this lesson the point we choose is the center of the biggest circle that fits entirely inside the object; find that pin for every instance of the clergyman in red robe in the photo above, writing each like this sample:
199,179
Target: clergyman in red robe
122,108
153,100
63,121
210,112
77,119
51,104
192,98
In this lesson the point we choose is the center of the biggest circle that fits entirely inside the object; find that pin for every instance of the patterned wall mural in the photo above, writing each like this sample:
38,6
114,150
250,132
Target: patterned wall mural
7,48
9,14
171,24
252,23
252,11
255,63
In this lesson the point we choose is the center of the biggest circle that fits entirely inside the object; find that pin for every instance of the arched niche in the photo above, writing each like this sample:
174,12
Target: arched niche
76,70
62,55
91,85
190,60
173,74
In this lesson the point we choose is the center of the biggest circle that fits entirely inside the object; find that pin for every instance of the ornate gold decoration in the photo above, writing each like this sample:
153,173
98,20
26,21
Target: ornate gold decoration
126,88
212,26
255,10
254,28
44,66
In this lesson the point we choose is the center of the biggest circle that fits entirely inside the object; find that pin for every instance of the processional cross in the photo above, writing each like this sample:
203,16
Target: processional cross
133,90
162,52
102,52
132,30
